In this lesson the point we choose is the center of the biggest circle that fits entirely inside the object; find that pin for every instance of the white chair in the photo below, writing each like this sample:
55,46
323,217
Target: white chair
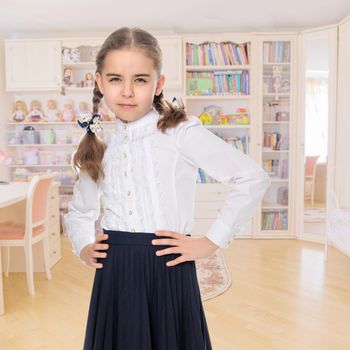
34,230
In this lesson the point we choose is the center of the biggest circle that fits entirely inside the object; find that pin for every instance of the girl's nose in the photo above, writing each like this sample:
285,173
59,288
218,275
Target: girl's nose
128,90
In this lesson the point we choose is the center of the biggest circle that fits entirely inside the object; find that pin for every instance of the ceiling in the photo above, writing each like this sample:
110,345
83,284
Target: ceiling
47,17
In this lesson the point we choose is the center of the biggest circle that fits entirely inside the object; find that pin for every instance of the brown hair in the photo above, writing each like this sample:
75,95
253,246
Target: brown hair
91,149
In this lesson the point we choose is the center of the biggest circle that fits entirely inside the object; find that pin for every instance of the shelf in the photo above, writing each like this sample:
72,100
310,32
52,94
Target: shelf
75,88
54,123
277,64
273,206
274,94
276,122
275,151
219,97
210,68
39,166
43,145
227,126
79,65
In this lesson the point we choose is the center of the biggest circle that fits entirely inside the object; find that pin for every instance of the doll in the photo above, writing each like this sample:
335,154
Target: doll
53,114
68,114
67,77
36,114
83,110
19,111
89,80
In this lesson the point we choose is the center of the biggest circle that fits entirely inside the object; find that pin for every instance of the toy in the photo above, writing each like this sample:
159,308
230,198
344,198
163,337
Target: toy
206,118
67,77
36,114
19,111
70,55
68,114
83,110
89,80
210,113
53,114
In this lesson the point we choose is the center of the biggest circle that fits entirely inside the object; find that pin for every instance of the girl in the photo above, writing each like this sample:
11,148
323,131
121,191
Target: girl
145,292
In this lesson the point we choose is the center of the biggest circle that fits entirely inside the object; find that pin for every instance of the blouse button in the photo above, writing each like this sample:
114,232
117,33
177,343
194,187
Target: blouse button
124,126
124,154
132,230
130,212
129,193
125,173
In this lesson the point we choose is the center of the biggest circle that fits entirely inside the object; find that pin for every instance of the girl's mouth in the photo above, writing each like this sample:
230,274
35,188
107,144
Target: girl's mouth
127,106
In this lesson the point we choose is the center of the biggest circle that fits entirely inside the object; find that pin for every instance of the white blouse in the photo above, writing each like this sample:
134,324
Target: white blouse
150,183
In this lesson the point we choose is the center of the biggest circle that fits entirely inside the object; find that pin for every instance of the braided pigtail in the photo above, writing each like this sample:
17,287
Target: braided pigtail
172,113
88,157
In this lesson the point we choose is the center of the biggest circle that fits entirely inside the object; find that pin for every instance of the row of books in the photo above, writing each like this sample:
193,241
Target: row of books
274,220
204,178
276,51
241,143
213,53
277,168
218,83
275,141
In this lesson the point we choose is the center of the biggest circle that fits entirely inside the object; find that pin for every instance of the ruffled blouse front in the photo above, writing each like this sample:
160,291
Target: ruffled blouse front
150,182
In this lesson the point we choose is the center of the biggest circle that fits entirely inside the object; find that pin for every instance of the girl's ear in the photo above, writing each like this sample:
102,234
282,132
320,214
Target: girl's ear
99,81
160,84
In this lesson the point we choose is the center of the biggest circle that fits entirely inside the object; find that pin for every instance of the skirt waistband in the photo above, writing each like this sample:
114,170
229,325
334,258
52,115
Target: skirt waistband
130,238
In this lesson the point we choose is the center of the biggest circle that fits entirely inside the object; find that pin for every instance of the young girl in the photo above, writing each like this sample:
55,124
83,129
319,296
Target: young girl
145,293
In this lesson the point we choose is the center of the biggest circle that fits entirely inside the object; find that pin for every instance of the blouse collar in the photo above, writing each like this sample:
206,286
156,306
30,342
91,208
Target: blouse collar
137,129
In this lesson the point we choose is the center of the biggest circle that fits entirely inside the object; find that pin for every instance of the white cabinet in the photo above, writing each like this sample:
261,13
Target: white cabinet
35,64
32,64
219,88
277,127
171,47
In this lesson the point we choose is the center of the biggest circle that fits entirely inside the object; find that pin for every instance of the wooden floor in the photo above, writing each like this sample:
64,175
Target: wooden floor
282,297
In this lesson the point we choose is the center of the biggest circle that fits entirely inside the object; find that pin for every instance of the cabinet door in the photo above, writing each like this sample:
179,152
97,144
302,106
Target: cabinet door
172,61
32,64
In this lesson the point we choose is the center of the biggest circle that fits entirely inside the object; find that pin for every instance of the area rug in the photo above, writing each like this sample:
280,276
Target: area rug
214,278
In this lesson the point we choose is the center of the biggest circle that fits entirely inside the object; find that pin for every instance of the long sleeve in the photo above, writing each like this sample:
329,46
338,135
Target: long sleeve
83,211
246,179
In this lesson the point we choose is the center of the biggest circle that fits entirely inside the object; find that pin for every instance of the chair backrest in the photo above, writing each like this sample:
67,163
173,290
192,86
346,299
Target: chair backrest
37,201
310,165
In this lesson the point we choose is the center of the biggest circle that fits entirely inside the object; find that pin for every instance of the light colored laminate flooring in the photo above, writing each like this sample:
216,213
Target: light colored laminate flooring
283,296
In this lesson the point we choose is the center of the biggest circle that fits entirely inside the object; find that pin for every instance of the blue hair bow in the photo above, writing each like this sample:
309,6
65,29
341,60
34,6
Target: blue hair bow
91,124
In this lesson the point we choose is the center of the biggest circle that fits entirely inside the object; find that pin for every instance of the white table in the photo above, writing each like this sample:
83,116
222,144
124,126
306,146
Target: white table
9,194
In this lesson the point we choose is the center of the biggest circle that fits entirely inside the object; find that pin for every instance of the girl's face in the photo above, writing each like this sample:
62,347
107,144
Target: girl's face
128,83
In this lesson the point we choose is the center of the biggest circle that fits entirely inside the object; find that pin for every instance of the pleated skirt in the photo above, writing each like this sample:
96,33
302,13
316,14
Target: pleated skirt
139,303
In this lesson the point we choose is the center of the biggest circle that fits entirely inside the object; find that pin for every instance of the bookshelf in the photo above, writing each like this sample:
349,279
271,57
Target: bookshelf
219,88
277,129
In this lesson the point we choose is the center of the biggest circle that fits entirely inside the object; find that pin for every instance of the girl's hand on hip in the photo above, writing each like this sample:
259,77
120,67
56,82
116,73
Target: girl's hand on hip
189,247
91,252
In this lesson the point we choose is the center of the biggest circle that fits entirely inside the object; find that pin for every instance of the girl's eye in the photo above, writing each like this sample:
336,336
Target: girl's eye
139,80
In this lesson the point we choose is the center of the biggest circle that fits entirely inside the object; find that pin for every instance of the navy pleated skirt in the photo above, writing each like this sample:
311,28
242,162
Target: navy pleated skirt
139,303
